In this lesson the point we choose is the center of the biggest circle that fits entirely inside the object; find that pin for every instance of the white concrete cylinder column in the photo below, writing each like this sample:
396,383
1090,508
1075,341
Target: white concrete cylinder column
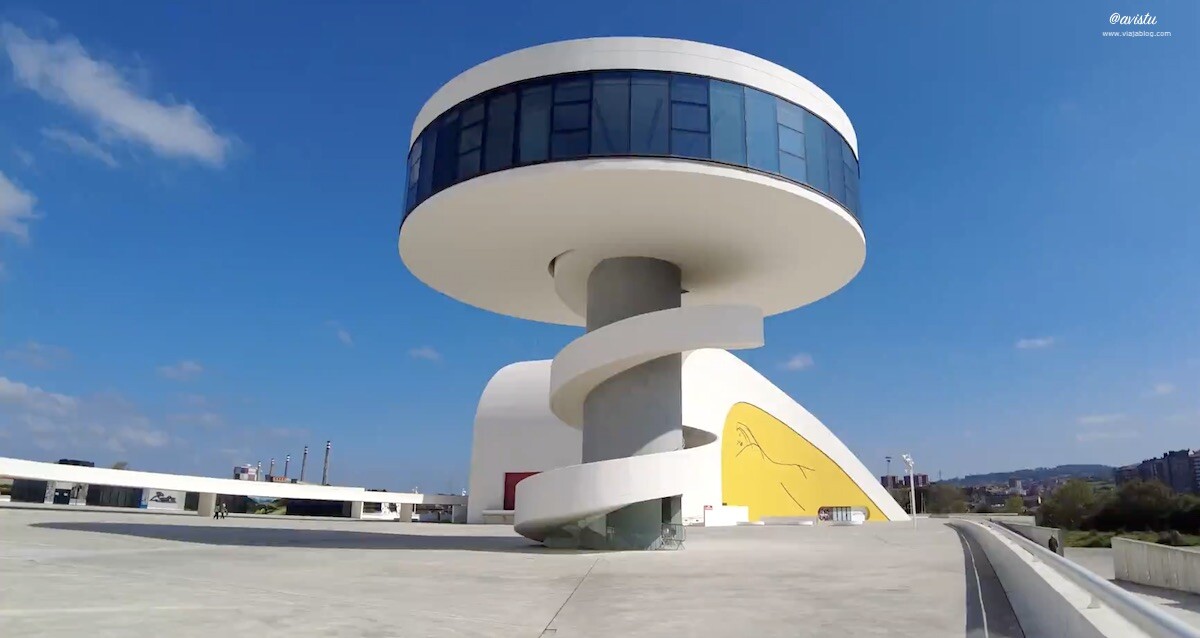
638,411
207,504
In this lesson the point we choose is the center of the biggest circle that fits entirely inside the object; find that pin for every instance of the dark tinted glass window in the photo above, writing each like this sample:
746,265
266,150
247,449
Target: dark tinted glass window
472,113
468,164
445,164
727,122
762,131
414,162
570,117
639,113
792,167
791,142
610,114
814,146
837,180
471,138
850,165
689,117
535,125
428,152
790,115
689,144
648,114
501,129
573,90
686,88
568,145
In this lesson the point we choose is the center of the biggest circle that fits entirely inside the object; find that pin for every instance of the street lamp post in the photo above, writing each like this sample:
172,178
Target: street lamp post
912,487
888,476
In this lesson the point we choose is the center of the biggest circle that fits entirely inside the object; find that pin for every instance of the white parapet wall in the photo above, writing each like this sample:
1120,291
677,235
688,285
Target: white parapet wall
726,515
1156,565
1045,601
1040,535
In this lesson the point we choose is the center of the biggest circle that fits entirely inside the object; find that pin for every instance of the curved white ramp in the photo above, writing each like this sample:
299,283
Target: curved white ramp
564,500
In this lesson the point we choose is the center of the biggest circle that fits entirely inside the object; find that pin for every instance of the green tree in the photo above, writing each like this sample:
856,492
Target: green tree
943,498
1014,505
1138,506
121,465
1069,506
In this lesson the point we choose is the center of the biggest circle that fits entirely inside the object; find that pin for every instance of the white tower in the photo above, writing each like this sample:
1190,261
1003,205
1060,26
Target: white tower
663,194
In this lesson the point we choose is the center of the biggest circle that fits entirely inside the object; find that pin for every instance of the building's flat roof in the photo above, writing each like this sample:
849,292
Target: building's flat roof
20,468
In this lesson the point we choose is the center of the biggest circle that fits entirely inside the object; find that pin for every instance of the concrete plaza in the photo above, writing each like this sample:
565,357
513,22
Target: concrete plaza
67,572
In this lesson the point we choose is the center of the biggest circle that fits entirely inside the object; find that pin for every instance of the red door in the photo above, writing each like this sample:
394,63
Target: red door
510,487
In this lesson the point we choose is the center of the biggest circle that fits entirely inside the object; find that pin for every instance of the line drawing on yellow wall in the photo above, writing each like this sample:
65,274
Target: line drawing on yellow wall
748,443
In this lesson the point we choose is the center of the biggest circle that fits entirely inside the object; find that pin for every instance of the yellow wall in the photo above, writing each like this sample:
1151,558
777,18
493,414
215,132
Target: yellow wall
770,468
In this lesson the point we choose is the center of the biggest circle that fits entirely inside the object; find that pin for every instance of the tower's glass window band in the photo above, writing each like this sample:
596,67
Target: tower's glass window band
631,114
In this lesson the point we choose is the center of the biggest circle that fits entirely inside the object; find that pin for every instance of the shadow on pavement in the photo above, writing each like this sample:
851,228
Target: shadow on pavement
1171,598
217,534
988,611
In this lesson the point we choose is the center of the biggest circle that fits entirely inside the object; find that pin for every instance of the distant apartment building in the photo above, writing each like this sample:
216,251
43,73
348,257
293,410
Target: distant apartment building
1177,469
922,480
1196,469
891,482
245,472
1014,487
1126,473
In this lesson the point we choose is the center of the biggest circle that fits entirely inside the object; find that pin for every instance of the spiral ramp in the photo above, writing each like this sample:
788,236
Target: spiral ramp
561,504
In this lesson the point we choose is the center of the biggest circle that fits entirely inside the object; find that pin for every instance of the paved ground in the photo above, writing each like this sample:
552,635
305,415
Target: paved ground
1099,560
71,573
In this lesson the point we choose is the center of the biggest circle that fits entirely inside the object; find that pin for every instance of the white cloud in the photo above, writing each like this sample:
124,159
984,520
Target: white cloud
1161,390
136,435
342,334
428,353
52,420
25,157
1035,343
80,145
181,371
16,209
1089,437
1099,419
38,355
64,72
31,400
799,361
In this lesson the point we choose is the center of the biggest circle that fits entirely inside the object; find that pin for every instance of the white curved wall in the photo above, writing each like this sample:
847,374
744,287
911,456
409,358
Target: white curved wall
651,54
516,431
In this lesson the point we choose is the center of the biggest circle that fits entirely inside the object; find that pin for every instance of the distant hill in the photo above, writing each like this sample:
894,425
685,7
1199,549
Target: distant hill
1101,472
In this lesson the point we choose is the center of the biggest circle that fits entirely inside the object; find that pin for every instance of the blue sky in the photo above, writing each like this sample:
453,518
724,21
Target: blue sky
199,204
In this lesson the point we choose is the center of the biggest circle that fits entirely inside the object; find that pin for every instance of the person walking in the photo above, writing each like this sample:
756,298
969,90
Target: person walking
224,511
216,512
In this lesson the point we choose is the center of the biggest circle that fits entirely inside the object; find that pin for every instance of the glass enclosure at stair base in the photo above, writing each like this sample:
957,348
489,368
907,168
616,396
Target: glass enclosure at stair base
631,114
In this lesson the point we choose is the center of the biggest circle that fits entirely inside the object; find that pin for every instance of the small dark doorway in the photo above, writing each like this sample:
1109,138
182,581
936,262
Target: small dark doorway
510,487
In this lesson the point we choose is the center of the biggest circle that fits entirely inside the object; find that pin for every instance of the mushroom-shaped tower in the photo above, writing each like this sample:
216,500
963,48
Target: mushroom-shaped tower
663,194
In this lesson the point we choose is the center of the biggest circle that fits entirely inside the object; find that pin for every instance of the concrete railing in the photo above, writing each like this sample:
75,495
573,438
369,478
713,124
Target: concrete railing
1053,596
1049,537
1156,565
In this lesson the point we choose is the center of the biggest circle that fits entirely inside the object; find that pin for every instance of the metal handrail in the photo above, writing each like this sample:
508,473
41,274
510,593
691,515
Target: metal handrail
1144,615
